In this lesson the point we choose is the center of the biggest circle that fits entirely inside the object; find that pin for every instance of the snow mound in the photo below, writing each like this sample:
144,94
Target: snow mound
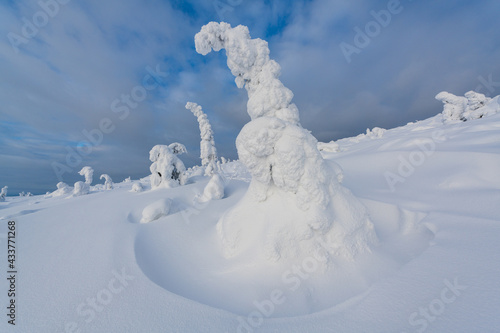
156,210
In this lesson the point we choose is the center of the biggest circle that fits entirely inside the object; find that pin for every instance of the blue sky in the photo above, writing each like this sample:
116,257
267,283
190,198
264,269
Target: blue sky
60,79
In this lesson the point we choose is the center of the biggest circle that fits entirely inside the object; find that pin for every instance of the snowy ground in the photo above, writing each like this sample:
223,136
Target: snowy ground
86,264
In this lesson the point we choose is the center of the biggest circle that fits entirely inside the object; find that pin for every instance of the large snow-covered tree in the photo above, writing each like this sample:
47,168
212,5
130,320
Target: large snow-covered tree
208,152
294,197
167,169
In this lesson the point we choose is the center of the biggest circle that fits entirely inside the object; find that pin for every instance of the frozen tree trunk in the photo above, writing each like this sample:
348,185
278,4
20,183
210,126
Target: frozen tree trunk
294,198
208,152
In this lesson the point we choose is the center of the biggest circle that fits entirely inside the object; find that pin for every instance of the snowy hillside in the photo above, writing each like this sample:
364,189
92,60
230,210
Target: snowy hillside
432,191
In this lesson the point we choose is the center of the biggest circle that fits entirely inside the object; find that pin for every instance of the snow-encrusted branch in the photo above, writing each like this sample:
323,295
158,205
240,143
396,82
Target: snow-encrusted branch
208,152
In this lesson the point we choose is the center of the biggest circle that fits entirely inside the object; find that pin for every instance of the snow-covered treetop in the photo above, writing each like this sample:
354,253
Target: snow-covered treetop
162,150
248,59
208,152
108,182
88,173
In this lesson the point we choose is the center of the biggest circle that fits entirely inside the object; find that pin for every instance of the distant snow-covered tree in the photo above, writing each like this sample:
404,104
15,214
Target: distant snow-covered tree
108,182
167,169
458,108
475,102
3,193
88,173
81,188
62,189
454,106
208,152
287,169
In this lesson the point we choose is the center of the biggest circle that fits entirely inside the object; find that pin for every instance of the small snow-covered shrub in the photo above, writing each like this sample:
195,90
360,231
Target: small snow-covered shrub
62,189
454,106
156,210
127,180
330,147
108,182
208,152
214,190
3,193
167,169
375,133
88,173
81,188
294,196
137,187
475,105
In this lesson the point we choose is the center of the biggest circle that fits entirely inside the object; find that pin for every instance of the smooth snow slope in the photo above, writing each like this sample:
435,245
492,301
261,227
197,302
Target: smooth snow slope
86,264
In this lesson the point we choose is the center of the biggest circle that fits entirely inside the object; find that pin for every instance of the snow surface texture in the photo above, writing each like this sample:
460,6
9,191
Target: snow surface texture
108,182
208,152
294,196
457,108
167,169
435,270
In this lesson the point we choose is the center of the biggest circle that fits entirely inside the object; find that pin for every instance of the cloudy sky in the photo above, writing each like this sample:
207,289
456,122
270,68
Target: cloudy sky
73,70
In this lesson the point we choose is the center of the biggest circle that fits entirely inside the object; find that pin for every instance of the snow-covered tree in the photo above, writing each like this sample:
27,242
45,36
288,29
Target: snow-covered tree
81,188
62,189
108,182
208,152
294,194
458,108
88,173
3,193
167,169
475,102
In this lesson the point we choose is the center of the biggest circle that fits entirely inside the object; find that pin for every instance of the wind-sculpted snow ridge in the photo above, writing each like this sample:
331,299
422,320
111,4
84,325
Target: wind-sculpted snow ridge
208,152
294,196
